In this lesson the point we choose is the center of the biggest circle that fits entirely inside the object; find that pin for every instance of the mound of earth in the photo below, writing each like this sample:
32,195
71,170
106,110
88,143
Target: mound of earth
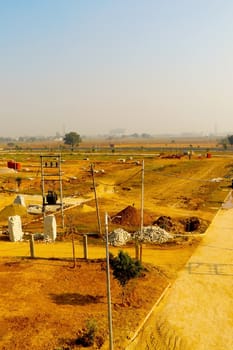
181,225
169,224
191,224
164,222
130,216
84,208
11,210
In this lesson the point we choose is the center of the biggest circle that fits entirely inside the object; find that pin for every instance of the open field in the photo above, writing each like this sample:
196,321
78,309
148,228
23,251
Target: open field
48,301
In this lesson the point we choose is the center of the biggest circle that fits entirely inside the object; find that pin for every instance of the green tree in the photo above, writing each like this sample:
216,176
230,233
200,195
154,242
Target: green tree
230,139
124,269
73,139
224,143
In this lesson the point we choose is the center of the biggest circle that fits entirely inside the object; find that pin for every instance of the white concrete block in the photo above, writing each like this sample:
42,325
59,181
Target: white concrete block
15,228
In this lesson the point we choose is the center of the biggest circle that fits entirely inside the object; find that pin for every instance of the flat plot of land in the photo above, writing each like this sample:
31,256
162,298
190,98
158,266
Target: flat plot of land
46,302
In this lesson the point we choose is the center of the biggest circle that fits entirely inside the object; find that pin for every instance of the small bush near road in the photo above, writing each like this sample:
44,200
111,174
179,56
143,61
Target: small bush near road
124,269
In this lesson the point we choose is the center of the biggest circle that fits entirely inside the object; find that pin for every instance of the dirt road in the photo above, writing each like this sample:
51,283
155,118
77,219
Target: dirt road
197,313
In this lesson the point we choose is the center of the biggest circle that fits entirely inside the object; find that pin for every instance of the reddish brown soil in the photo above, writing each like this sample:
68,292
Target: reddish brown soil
50,301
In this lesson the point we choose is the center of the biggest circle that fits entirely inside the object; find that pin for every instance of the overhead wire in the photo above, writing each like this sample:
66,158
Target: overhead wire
121,183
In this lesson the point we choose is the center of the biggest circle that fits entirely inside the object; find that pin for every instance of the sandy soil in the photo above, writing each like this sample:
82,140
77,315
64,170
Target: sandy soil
197,312
47,302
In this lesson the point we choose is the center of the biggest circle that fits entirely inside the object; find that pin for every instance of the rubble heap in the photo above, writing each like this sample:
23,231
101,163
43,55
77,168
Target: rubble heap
153,234
119,237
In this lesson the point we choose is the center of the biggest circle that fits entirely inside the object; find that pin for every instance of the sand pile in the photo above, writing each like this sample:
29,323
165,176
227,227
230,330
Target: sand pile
12,210
84,208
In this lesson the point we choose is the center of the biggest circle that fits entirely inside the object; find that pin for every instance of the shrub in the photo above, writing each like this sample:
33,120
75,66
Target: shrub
86,337
124,269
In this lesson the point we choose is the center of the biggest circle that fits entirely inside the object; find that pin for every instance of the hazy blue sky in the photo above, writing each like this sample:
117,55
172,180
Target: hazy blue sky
90,66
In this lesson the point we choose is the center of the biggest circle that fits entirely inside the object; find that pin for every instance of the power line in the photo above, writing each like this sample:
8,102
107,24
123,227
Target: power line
121,183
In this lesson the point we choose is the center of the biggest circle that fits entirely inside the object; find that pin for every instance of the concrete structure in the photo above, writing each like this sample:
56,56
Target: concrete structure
15,228
20,200
50,227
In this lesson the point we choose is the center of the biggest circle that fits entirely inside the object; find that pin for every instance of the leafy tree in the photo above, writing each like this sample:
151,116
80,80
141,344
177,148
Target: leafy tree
230,139
223,142
72,138
124,269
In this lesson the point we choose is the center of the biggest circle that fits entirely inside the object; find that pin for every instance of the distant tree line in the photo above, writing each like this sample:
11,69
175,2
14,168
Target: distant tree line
226,141
132,136
27,139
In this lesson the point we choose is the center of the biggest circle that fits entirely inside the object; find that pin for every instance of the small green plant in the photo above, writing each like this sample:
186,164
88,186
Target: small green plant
86,337
124,269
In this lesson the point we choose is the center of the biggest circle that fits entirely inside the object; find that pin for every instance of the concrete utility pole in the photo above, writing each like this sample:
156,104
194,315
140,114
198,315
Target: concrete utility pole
108,287
142,208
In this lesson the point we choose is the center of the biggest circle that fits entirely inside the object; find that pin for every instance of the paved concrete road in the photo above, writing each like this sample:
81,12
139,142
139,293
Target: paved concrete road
197,314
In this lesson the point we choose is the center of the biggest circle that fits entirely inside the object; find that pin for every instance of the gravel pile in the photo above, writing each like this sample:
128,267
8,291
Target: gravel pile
119,237
153,234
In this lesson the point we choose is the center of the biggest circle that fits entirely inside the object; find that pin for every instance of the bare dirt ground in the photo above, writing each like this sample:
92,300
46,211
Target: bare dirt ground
47,302
197,312
50,302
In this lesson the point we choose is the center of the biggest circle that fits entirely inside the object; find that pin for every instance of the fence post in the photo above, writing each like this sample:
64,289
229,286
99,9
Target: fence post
136,250
32,251
85,248
140,252
73,249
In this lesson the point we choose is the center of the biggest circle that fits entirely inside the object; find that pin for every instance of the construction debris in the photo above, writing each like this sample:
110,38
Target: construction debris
150,234
119,237
153,234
